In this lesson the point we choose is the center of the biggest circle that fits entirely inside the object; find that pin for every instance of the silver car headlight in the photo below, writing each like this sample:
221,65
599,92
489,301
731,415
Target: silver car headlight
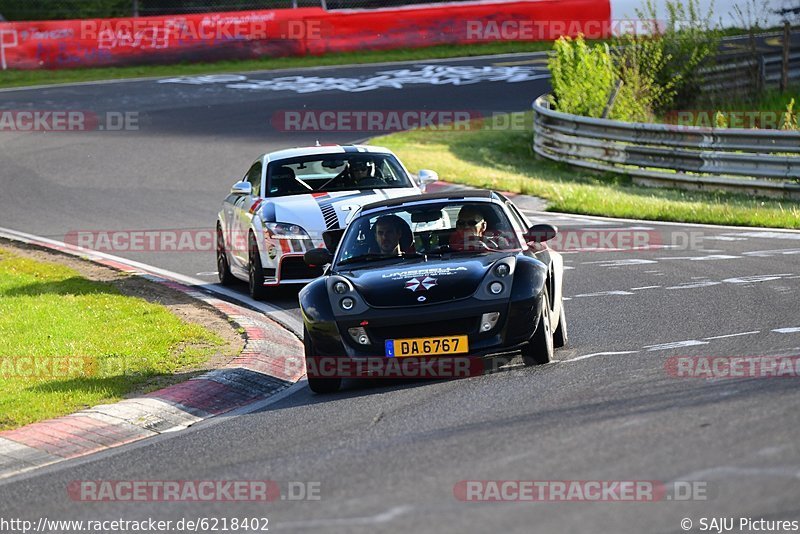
277,230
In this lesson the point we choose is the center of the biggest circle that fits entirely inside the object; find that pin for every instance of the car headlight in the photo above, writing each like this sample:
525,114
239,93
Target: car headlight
347,303
286,231
502,270
495,288
340,288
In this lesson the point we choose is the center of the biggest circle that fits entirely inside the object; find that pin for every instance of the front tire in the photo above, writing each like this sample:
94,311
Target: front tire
317,384
255,271
226,278
539,349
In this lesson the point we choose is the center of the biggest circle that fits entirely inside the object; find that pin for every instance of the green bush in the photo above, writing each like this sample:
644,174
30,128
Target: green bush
636,64
656,71
582,76
688,40
789,120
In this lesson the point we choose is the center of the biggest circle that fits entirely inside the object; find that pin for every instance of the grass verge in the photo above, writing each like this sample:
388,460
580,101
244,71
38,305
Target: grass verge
67,343
20,78
497,157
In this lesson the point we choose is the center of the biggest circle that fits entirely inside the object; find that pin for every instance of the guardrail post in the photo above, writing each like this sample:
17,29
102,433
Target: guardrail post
611,99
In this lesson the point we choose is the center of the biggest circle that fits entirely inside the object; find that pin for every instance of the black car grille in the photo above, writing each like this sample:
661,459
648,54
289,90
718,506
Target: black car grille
467,325
295,268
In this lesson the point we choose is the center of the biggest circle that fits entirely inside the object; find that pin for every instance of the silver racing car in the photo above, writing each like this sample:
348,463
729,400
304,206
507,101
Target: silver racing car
287,199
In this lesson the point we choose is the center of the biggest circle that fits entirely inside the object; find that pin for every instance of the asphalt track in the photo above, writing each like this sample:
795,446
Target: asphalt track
387,456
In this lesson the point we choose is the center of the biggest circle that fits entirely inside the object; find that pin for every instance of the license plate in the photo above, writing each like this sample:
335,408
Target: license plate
426,346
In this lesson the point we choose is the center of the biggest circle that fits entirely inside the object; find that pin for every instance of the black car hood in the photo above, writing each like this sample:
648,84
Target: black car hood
420,282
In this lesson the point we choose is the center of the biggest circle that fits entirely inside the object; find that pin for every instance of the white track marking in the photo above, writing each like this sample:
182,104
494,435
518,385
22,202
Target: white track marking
765,235
378,519
789,330
398,78
771,253
619,263
644,287
587,356
725,238
755,278
735,230
695,285
733,335
676,345
604,294
711,257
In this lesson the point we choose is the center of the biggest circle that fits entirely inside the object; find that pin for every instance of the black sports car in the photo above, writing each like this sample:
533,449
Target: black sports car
433,276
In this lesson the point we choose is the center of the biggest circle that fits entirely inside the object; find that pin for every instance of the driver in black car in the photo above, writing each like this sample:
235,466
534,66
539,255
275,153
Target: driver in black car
471,232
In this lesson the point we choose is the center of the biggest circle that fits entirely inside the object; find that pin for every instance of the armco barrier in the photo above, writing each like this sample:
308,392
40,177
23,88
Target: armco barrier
285,32
748,161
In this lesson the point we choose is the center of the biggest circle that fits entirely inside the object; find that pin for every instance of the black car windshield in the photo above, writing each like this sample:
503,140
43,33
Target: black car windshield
324,173
410,232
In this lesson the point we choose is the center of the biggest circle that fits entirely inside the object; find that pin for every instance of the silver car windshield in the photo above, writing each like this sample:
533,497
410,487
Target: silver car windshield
335,172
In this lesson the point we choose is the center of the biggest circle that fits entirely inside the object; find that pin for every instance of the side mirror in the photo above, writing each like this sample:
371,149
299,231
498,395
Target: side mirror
317,257
539,233
332,238
426,177
242,189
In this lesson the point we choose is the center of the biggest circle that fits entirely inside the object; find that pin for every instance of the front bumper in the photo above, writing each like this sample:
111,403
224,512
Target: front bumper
291,269
514,328
283,263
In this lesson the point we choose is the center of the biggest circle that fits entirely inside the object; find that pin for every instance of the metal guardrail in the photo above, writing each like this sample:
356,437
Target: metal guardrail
748,161
747,74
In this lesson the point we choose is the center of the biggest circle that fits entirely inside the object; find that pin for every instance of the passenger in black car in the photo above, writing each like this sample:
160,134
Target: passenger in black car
391,233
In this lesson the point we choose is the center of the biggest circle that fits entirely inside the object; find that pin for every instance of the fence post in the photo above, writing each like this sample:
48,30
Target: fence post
135,8
785,65
611,99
